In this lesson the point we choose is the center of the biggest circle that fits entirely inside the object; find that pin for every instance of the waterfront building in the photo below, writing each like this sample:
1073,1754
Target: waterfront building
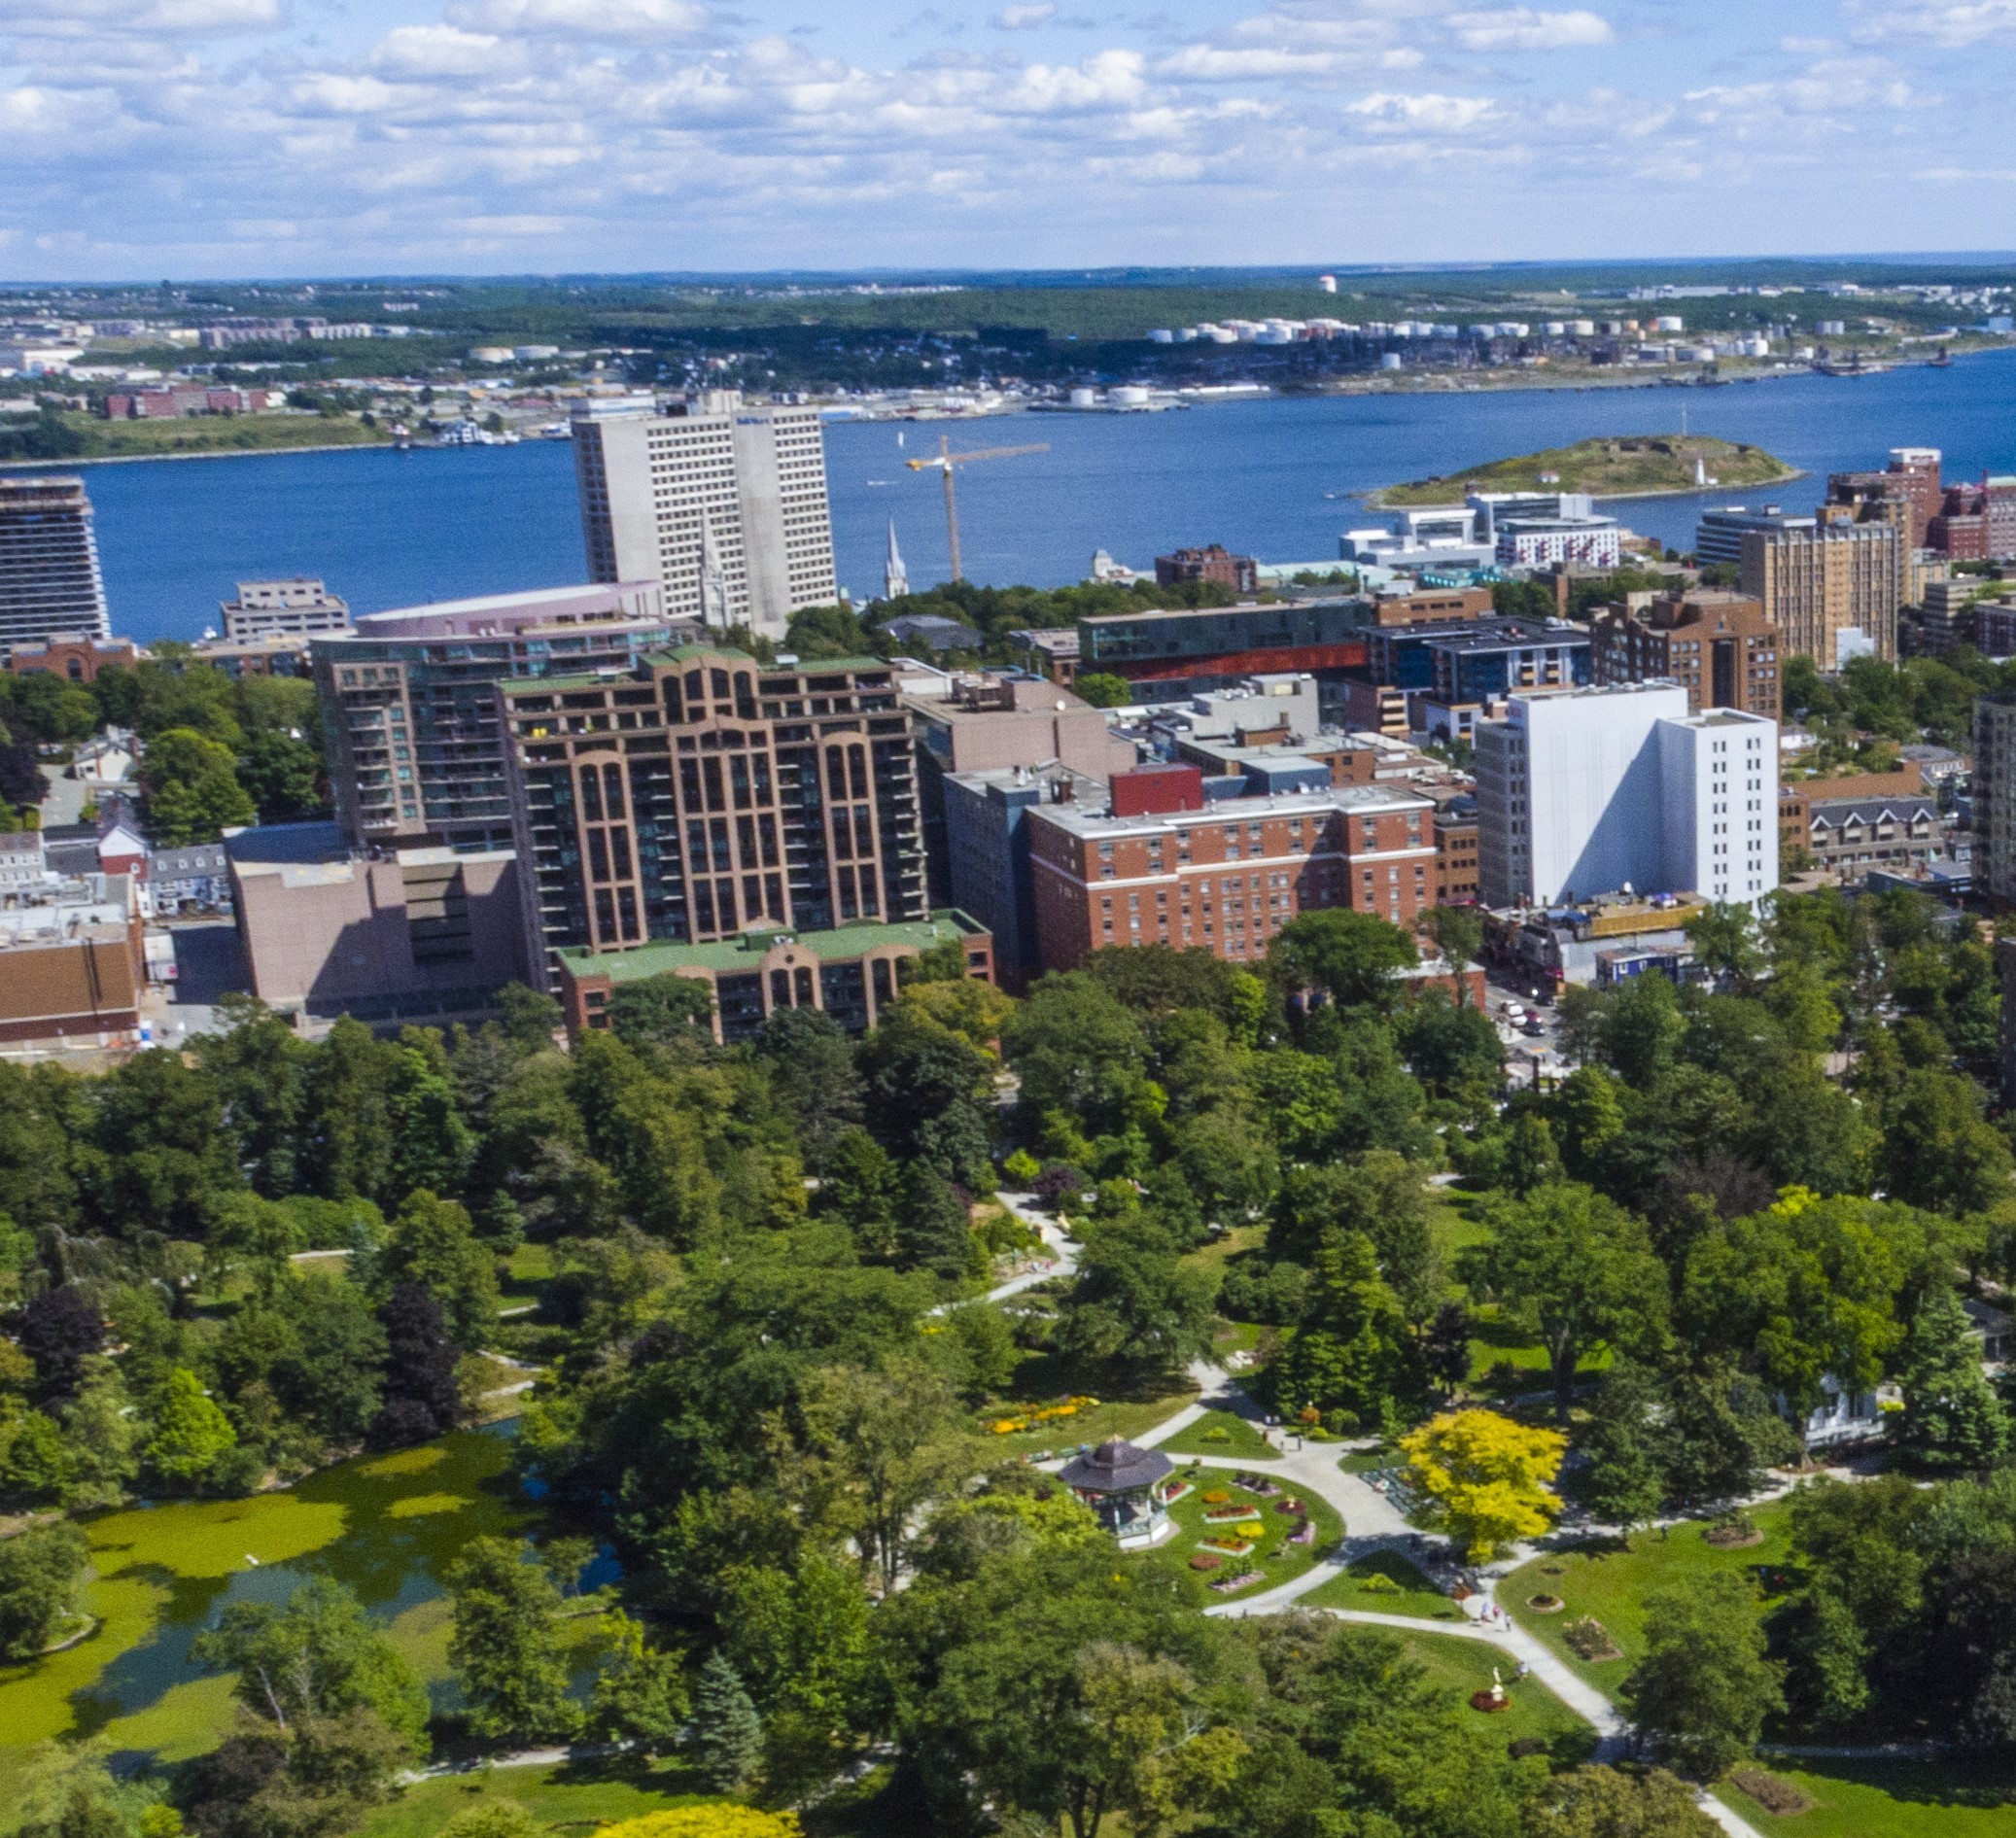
50,581
282,654
1214,563
1530,541
1718,535
410,704
722,502
1831,589
1584,792
1718,646
701,794
851,974
326,928
71,655
1156,862
283,609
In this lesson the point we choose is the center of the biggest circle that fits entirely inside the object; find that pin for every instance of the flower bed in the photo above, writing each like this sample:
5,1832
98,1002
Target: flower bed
1226,1585
1176,1490
1205,1560
1227,1515
1231,1546
1590,1642
1257,1484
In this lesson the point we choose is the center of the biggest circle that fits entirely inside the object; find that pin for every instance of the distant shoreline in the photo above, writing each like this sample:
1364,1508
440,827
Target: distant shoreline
214,453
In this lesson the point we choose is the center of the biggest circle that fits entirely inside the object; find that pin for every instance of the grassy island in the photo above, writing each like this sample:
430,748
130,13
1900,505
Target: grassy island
1618,465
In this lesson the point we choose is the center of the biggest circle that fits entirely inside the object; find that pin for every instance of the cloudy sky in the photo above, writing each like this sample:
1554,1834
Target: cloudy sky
151,138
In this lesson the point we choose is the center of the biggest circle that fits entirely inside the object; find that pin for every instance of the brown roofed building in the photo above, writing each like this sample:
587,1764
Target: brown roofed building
71,654
1213,563
1719,646
73,965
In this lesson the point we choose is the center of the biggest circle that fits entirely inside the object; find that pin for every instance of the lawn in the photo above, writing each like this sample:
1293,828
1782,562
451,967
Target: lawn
575,1795
1222,1433
1411,1594
1886,1800
1124,1404
218,434
1611,1582
1464,1666
1277,1560
388,1526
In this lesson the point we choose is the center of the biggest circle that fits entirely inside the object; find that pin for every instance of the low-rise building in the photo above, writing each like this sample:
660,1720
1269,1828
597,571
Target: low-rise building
390,936
293,609
278,654
1213,563
1047,653
1456,853
197,876
851,973
74,655
73,963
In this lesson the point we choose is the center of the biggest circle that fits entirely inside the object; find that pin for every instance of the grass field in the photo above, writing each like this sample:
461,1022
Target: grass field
1611,1582
1277,1560
1886,1799
1413,1594
388,1526
1224,1434
1464,1667
1124,1405
218,434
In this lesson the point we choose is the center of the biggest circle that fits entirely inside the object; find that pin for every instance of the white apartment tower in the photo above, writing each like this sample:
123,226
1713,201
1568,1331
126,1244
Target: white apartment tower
723,505
49,583
1582,792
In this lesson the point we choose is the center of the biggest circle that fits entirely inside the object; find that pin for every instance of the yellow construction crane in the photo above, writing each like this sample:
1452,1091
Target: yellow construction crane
944,463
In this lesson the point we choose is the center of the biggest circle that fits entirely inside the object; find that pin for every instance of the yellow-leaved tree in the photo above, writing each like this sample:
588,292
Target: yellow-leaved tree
724,1819
1488,1474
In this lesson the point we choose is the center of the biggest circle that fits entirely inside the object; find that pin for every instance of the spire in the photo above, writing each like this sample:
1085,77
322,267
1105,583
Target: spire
713,581
895,578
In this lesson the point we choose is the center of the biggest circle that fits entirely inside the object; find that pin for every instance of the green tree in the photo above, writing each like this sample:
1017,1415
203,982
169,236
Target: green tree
317,1655
1136,1300
1103,690
507,1646
1937,1149
661,1010
1726,942
1576,1271
434,1244
192,1435
1720,1433
1349,1351
1622,1482
41,1577
1951,1417
727,1741
1704,1688
1348,957
639,1693
193,788
1593,1802
933,1227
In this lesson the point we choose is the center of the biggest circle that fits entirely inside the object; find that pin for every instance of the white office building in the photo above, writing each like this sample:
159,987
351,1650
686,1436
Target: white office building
1584,792
723,505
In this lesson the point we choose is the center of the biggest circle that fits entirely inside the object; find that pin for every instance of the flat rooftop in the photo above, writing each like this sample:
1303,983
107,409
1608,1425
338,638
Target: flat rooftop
726,955
1080,821
487,613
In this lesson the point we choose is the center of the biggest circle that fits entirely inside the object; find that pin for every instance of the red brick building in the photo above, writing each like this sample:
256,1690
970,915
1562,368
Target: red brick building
1229,876
1212,563
71,655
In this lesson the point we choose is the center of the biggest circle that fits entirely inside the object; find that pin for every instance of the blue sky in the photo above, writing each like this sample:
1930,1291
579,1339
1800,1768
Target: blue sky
151,138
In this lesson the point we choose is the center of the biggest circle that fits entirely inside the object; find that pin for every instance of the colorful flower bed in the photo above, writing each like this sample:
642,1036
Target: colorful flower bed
1065,1407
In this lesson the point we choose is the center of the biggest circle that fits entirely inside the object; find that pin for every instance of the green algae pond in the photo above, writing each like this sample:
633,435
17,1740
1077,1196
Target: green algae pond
387,1526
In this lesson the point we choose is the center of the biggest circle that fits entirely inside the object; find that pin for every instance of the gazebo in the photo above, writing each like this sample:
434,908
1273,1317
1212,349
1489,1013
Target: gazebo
1126,1486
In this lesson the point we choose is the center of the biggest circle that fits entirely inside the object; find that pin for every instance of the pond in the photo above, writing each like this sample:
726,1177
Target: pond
387,1526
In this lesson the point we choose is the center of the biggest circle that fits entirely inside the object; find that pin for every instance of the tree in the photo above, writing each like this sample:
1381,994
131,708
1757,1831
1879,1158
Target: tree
1488,1475
727,1741
434,1244
662,1009
933,1226
1348,957
1725,939
880,1447
639,1693
283,776
1348,1350
1103,690
193,788
317,1655
1136,1300
721,1819
1624,1483
1704,1688
1593,1802
1459,935
422,1399
506,1644
1937,1151
811,1070
1576,1271
1951,1417
1720,1433
41,1577
59,1331
192,1435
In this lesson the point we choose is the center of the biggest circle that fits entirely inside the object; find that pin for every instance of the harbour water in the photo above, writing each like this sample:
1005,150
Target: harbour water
1276,477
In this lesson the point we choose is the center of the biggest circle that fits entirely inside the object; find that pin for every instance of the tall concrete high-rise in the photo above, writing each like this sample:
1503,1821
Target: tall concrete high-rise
1830,588
50,581
1995,797
723,504
1584,792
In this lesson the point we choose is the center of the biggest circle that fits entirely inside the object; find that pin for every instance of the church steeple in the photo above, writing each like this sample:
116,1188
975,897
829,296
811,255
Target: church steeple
895,577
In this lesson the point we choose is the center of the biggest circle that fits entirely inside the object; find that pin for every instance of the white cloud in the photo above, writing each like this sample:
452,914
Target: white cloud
1216,64
445,51
1023,18
1521,29
1437,113
601,21
1110,80
1936,22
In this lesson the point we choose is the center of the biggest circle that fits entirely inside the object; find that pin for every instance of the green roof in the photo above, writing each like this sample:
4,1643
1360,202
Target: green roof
726,955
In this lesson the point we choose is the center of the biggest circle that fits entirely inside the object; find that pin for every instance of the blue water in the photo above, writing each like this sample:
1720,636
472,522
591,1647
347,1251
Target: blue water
1271,477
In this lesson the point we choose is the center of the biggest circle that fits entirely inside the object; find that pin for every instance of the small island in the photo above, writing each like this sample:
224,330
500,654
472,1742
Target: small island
1618,465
